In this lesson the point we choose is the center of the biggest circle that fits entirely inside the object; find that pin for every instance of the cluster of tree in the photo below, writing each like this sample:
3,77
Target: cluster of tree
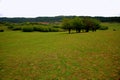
78,24
55,19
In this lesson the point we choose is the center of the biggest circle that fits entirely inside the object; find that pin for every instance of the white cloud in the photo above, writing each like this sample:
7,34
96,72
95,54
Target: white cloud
34,8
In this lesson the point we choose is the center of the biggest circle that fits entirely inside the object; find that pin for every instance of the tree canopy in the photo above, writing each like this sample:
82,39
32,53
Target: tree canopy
80,24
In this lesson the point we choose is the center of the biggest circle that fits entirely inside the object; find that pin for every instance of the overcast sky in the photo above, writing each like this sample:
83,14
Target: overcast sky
35,8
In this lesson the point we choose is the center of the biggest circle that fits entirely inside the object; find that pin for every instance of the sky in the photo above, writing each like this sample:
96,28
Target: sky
36,8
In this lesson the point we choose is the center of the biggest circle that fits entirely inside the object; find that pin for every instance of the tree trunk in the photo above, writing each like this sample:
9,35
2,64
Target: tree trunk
95,30
76,30
69,30
79,30
87,30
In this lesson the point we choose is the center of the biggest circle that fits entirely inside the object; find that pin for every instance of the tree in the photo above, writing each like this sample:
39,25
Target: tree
78,24
67,24
95,24
87,24
91,24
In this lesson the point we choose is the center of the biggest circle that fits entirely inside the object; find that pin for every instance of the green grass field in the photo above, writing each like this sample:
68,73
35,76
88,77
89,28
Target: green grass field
60,56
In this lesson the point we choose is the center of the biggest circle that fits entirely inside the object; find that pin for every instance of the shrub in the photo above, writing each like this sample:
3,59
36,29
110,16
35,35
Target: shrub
1,30
45,29
16,28
56,26
27,29
61,30
114,29
10,27
41,28
55,30
103,28
36,28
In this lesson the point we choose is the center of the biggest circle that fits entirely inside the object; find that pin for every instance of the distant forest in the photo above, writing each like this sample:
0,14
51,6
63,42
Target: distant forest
54,19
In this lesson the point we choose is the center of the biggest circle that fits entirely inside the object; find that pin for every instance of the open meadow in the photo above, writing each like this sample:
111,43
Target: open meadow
60,56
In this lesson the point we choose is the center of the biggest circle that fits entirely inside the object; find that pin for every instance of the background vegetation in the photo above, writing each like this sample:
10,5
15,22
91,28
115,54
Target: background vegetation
56,19
75,23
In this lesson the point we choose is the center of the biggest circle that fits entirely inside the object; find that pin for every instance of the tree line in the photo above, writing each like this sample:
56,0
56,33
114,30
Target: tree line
70,23
55,19
80,24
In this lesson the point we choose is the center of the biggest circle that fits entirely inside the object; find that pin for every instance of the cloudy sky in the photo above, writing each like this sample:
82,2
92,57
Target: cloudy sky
35,8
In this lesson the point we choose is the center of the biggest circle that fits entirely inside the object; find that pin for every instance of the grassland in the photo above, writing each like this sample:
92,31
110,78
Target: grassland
60,56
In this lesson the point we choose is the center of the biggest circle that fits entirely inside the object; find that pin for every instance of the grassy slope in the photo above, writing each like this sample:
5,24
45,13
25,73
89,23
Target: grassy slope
59,56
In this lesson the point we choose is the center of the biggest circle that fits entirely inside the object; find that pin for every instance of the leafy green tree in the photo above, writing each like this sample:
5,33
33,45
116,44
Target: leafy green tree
67,24
95,24
91,24
87,24
78,24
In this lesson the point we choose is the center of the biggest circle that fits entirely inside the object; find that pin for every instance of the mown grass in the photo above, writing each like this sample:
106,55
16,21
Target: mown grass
60,56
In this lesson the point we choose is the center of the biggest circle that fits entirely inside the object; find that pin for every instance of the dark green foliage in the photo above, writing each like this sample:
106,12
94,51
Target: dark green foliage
1,30
46,29
27,29
103,28
67,24
95,24
87,24
56,26
30,27
56,19
37,28
16,28
80,24
41,28
77,24
10,27
90,24
55,30
114,29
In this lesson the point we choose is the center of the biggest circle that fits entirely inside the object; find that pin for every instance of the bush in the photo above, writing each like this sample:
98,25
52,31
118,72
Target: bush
27,29
36,28
41,29
55,30
1,30
103,28
16,28
10,27
114,29
56,26
45,29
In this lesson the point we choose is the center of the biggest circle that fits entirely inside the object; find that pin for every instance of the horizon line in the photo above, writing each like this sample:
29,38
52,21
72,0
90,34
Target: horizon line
53,16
